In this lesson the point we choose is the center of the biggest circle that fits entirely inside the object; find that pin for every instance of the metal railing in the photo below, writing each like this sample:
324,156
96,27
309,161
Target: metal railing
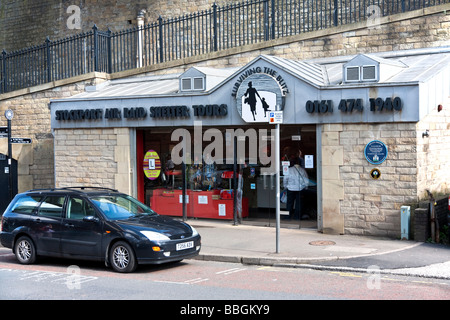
218,28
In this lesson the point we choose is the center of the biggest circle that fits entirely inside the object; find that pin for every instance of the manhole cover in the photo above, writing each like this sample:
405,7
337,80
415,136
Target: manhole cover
322,243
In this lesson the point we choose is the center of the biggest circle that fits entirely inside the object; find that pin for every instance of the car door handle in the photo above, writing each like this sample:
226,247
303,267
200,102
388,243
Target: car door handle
69,225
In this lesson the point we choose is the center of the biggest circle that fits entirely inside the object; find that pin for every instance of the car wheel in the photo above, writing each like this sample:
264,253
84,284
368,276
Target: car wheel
122,257
25,250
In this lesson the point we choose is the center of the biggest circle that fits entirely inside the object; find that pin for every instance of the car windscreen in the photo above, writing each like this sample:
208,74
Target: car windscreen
116,207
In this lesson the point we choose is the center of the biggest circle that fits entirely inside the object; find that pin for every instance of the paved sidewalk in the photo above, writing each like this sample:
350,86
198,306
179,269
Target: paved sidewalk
222,241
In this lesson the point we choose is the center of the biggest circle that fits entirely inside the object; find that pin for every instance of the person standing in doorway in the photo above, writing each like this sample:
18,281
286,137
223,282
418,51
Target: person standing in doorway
295,181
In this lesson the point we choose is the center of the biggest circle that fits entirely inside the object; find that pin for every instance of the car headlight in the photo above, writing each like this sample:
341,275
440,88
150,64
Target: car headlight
194,232
155,236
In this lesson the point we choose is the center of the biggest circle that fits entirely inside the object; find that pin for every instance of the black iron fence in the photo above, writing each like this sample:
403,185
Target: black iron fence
218,28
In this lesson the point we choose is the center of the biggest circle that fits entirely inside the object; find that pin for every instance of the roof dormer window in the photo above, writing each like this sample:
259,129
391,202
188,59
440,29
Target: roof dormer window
352,74
365,68
369,73
193,84
198,83
361,73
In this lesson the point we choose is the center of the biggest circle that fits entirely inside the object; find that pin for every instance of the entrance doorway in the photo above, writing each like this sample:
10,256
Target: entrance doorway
208,188
4,181
295,141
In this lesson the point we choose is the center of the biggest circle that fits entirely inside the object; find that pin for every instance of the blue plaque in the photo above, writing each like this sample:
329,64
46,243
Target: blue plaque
375,152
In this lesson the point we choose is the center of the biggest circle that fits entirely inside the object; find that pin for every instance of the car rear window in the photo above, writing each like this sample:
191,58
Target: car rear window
26,204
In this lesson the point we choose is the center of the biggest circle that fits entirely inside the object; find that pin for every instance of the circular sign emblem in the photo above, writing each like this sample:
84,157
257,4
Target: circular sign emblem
375,152
257,96
152,165
375,174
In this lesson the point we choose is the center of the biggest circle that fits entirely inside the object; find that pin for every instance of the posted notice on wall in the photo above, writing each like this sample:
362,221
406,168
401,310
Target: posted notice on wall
309,161
222,210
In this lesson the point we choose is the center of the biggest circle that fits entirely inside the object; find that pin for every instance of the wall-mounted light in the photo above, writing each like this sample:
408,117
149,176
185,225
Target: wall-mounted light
425,134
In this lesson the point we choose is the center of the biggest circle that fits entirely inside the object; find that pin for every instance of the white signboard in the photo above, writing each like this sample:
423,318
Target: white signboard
309,161
275,117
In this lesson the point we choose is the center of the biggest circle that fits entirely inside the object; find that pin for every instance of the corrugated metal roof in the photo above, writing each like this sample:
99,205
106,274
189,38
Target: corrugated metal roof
151,85
308,71
417,65
421,68
139,86
324,72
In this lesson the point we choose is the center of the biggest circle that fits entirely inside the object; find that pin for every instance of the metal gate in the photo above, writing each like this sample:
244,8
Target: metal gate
4,181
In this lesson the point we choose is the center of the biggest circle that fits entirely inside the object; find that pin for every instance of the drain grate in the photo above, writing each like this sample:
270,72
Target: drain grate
322,243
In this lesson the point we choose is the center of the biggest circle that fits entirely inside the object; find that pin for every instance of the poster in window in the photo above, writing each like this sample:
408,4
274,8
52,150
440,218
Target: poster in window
152,165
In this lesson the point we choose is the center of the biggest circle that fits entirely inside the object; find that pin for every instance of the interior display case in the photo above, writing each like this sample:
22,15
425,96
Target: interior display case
208,193
214,204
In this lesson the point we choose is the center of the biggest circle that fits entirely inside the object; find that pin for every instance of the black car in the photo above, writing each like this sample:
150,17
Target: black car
93,224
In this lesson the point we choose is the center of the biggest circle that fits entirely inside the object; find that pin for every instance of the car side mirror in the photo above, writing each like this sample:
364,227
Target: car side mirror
90,219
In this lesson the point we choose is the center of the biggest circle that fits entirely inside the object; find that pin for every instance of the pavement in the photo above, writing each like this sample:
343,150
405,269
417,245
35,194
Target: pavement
308,248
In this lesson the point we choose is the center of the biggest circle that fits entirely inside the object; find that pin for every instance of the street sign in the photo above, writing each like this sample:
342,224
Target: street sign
275,117
21,140
3,132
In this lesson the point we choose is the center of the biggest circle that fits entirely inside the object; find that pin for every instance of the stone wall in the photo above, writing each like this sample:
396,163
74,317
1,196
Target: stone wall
433,152
90,156
32,120
413,30
27,23
333,192
353,202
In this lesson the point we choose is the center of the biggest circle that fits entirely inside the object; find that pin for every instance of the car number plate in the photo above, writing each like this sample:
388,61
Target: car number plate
185,245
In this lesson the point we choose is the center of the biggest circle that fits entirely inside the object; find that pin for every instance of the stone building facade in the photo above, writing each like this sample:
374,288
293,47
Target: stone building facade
415,162
350,199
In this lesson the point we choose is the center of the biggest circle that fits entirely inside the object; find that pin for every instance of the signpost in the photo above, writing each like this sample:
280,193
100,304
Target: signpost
276,117
5,132
9,114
